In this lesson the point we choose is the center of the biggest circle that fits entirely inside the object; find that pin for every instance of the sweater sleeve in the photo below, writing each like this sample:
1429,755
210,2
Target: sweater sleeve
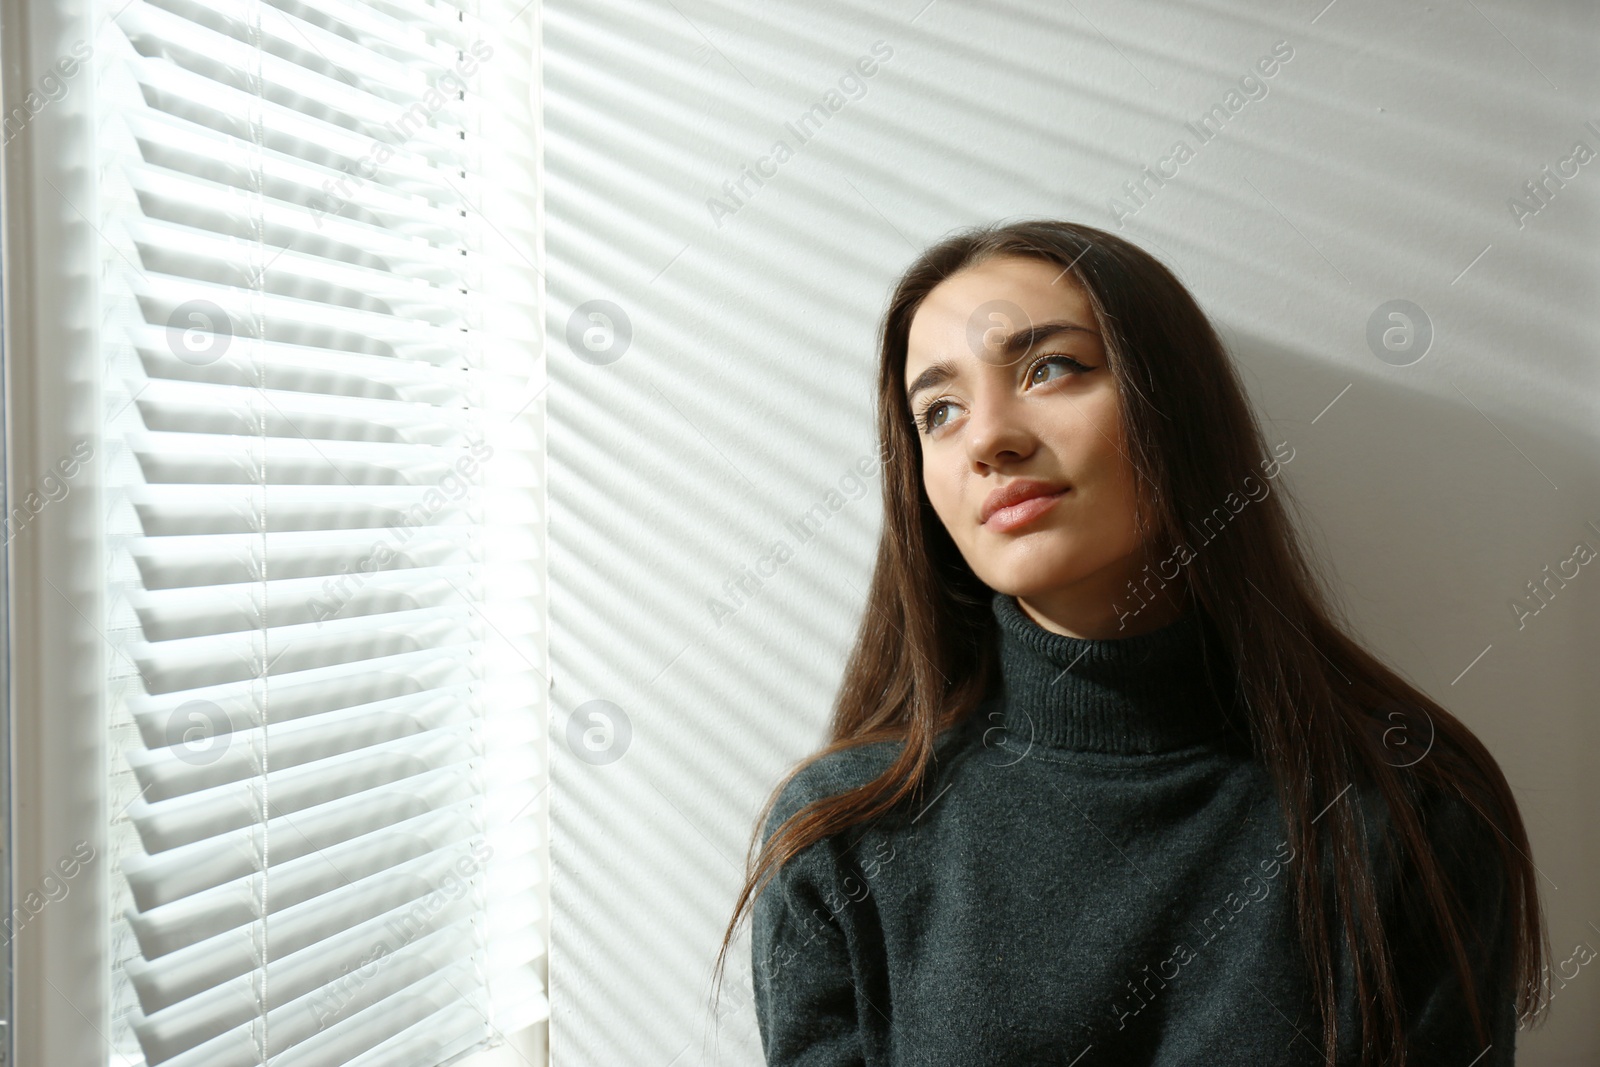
1438,1019
801,970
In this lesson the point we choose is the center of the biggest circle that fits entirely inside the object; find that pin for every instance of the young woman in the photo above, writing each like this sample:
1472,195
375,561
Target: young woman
1107,782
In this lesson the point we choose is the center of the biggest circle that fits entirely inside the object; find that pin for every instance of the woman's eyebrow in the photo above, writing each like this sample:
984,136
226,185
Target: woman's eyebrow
1024,339
937,373
1018,343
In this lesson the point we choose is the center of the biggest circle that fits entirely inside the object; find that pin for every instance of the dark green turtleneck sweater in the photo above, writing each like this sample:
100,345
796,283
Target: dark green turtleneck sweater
1097,876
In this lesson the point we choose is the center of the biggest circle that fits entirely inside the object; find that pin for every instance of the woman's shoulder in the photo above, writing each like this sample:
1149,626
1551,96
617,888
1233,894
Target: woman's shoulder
840,770
830,774
1462,829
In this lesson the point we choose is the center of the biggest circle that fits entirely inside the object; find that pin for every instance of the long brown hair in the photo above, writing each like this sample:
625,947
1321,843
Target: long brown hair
1322,712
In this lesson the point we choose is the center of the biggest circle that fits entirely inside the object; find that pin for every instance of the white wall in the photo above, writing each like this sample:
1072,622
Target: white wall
1378,166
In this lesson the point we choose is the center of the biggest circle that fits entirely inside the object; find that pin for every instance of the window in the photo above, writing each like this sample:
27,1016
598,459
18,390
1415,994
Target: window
321,493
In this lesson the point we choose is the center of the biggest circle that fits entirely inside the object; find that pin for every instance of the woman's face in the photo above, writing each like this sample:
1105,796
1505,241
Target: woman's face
1008,384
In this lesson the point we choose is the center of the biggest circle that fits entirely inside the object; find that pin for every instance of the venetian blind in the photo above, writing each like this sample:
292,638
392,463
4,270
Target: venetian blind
324,501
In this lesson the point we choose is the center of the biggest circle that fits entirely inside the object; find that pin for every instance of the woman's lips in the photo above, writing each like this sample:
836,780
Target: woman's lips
1023,513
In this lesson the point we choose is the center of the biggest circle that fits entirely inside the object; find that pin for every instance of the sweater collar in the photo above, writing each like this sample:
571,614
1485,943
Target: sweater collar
1147,693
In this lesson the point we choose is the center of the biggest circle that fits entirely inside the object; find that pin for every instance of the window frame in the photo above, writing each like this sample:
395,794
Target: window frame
54,770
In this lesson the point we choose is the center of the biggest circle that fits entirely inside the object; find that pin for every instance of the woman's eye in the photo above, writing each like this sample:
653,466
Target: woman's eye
1070,365
927,417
